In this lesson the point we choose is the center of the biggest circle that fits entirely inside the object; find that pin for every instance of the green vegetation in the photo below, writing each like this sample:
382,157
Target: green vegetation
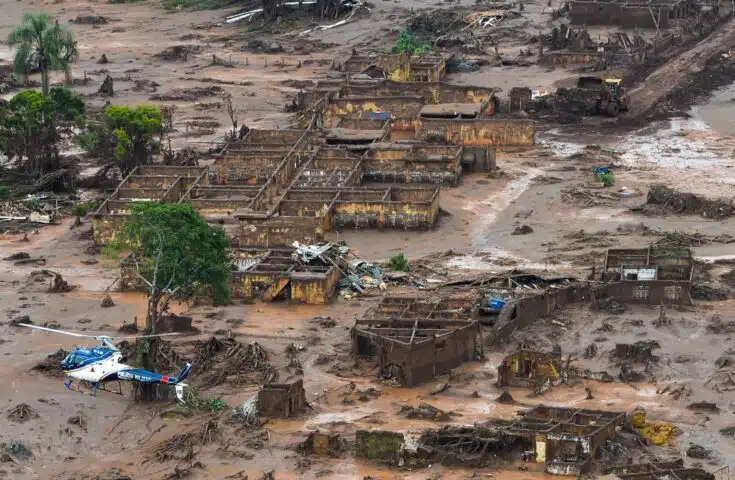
177,254
133,129
29,127
196,4
4,192
42,45
607,179
399,263
408,43
82,209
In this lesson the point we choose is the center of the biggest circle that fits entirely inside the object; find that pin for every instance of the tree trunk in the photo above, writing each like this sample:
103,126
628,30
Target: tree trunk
147,391
44,80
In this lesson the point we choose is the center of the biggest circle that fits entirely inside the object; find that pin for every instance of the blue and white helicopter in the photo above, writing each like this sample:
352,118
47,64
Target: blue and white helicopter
99,365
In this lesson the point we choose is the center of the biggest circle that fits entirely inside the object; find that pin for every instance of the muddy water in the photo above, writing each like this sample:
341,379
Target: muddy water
719,111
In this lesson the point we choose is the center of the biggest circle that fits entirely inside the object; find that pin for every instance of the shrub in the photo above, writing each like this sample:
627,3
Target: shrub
399,263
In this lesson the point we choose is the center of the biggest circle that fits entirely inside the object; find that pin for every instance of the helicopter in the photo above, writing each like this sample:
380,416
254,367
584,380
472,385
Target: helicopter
104,363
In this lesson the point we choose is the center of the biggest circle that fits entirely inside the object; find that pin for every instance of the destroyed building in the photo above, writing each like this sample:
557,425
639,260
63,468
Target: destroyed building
427,67
282,399
653,275
660,14
567,441
660,470
528,368
415,339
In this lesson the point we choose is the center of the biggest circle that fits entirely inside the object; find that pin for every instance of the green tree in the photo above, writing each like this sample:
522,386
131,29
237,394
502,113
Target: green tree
176,254
408,43
29,127
133,130
42,45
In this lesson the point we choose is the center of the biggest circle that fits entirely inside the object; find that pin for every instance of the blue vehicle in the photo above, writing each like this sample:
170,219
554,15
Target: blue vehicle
104,363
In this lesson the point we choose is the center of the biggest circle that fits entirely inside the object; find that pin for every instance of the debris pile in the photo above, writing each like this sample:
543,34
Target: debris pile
22,413
425,411
357,274
227,360
189,94
663,200
470,446
177,53
51,366
585,198
56,283
703,291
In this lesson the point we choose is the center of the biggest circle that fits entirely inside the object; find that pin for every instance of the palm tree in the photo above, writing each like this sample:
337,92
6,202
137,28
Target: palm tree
42,45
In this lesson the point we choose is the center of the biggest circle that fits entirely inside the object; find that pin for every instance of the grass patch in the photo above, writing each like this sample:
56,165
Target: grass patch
399,263
408,43
82,209
4,192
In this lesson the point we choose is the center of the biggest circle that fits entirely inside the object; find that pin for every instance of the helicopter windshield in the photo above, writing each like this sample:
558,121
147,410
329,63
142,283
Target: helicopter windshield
71,361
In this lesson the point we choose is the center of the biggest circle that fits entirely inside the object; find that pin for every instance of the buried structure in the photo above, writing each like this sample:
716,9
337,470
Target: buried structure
566,440
653,275
415,339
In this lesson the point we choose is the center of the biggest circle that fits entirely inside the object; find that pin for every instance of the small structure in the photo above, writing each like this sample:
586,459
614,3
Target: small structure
380,445
653,275
528,368
415,339
282,399
568,440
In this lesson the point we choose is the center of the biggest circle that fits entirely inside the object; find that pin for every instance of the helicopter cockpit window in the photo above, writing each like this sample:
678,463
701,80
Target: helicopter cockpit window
71,361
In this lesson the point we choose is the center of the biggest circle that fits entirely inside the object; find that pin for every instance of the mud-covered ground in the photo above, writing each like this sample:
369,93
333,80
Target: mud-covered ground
548,189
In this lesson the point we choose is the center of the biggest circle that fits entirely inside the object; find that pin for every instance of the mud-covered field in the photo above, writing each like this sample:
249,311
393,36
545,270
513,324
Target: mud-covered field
547,188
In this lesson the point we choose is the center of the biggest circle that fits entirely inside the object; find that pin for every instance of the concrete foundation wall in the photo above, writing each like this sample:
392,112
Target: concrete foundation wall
497,132
314,289
276,231
402,107
614,13
427,360
565,59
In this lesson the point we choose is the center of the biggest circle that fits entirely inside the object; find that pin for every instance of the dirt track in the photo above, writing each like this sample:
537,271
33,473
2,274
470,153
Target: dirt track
668,77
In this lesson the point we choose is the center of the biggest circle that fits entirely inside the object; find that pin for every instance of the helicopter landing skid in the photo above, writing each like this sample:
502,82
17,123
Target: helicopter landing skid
93,386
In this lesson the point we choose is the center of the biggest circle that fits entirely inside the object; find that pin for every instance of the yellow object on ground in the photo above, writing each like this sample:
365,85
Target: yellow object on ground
638,419
658,434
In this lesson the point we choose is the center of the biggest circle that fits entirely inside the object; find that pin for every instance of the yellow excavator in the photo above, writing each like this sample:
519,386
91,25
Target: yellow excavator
611,97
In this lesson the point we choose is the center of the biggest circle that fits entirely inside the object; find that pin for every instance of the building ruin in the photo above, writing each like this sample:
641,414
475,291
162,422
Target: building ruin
653,275
415,339
282,400
659,14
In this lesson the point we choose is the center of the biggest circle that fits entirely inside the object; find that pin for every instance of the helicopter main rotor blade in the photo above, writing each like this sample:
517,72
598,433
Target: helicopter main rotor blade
145,336
53,330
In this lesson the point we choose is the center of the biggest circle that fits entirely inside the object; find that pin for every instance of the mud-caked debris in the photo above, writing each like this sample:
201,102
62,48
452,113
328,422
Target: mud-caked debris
703,407
718,325
698,451
15,448
107,302
724,361
590,351
177,53
728,431
17,256
51,366
505,397
522,230
77,421
263,46
90,20
638,352
629,375
425,411
103,60
611,305
703,291
17,321
21,413
662,200
107,89
189,94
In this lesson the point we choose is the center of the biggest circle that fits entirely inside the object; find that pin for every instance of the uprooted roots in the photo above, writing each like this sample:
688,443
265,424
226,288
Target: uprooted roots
51,366
229,360
22,413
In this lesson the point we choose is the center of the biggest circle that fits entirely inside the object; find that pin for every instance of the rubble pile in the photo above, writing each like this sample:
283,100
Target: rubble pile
469,446
425,411
357,274
51,366
22,413
663,200
227,360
